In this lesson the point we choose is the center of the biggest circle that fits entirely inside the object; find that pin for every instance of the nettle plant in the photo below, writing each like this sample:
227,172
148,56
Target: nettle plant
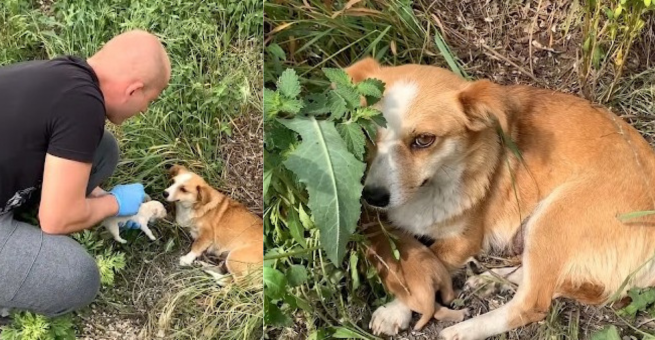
313,168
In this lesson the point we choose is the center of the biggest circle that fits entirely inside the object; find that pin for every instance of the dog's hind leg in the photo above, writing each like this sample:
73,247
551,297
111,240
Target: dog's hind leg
143,222
240,261
113,229
530,304
538,280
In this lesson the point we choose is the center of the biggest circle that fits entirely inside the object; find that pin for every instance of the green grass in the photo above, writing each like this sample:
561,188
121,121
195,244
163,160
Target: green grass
216,54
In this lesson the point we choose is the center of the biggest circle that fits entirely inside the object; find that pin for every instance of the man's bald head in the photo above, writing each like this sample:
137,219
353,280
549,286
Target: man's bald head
133,69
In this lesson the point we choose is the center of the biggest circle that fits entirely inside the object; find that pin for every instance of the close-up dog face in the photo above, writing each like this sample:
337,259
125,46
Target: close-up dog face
426,138
187,187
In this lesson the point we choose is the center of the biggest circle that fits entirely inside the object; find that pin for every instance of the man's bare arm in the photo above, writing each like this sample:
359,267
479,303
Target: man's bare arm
64,208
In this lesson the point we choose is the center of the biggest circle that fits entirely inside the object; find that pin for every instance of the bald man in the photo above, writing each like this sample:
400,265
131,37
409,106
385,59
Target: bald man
52,139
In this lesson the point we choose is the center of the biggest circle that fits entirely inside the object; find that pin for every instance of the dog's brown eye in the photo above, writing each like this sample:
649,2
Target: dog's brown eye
182,189
423,141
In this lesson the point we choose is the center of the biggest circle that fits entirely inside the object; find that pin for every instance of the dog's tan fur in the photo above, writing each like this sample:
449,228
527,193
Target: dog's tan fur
581,167
416,278
218,223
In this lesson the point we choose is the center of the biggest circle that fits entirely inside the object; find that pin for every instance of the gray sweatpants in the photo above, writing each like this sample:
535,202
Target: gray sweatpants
51,274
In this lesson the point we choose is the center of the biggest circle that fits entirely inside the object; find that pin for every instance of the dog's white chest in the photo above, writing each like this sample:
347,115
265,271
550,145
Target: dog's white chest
183,216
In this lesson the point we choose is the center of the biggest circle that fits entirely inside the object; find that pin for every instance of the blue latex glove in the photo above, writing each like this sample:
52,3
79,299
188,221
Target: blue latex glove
129,198
129,225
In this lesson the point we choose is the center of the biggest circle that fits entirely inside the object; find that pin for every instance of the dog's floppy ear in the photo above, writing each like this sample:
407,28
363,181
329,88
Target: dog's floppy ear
204,195
362,69
486,105
175,170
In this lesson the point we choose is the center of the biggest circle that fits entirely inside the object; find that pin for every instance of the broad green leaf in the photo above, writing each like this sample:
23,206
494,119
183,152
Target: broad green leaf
303,304
275,283
291,106
368,113
277,51
354,137
288,83
337,76
641,300
296,275
271,103
273,315
316,104
371,129
350,95
380,120
332,176
371,88
296,228
277,136
647,2
607,333
336,105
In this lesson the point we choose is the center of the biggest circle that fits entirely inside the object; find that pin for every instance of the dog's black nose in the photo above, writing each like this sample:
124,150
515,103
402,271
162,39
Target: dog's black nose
165,194
376,196
167,166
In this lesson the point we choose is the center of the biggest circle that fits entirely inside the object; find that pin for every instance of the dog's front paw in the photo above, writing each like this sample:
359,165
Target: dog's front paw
187,260
466,330
451,333
390,318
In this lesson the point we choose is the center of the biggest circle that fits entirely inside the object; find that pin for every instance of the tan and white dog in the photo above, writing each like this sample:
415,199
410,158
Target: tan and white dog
441,168
218,224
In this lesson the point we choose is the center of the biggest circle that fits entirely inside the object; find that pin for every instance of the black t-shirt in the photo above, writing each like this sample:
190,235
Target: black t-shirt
46,106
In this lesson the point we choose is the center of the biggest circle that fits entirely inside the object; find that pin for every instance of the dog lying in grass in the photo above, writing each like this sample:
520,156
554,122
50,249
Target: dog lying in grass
415,280
148,212
482,167
218,224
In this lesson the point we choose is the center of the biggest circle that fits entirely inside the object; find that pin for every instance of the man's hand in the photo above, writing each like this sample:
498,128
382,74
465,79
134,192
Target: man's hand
129,198
64,208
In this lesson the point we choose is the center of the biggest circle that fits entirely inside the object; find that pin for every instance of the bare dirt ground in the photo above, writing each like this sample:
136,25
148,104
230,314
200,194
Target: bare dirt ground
538,43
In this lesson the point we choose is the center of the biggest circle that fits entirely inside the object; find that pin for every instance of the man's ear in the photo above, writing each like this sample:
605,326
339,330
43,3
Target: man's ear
486,105
175,170
133,88
363,69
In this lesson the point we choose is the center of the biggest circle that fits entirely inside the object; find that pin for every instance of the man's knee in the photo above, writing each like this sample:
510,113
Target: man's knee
109,151
80,284
105,161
